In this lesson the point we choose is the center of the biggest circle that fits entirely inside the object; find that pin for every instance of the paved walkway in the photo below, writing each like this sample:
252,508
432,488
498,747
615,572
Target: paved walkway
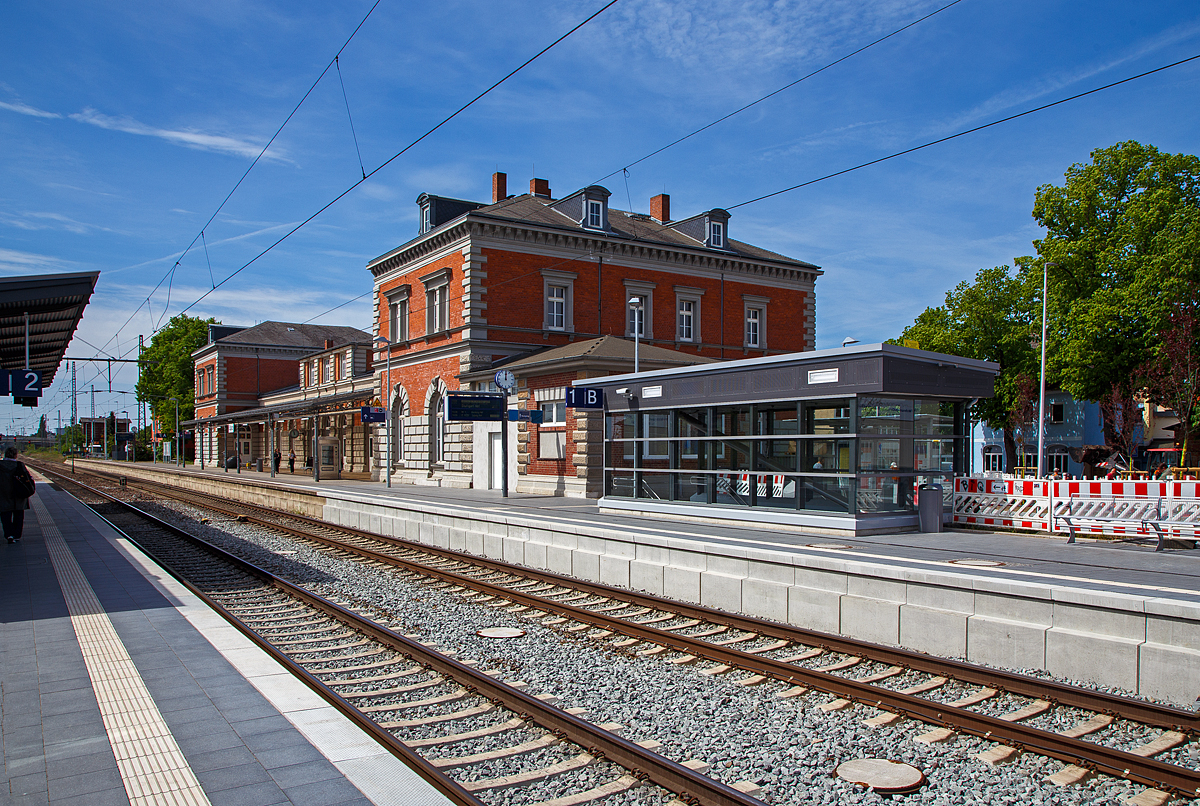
118,686
1094,565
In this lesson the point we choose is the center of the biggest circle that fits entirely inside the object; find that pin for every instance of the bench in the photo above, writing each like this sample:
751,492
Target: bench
1162,516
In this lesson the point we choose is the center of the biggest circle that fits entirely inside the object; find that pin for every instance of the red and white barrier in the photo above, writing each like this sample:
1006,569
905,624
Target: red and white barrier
1027,503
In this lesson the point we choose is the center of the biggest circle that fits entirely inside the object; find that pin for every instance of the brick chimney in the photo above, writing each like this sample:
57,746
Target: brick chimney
539,187
660,208
499,187
328,344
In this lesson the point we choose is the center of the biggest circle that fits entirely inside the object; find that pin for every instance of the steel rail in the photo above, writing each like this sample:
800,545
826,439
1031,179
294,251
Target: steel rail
1149,713
1090,755
689,785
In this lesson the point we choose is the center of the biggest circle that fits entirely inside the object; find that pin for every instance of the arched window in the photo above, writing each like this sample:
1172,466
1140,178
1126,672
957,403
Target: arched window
399,406
437,427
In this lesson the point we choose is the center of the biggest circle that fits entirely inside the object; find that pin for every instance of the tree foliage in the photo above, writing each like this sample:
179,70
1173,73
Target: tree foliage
992,318
1171,378
1124,233
171,373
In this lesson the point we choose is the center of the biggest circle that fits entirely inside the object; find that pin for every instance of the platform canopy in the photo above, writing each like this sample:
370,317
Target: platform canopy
55,304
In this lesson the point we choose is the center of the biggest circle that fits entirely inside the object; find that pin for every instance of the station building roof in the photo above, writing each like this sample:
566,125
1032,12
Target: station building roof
55,304
843,371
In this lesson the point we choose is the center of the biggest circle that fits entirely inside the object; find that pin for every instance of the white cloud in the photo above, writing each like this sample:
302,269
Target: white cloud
26,109
42,221
16,262
189,138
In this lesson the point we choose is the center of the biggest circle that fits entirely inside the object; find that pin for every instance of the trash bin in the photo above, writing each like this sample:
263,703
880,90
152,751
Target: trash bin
929,508
258,466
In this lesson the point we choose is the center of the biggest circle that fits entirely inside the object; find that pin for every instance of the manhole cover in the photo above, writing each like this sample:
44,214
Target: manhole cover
885,777
837,546
500,632
978,563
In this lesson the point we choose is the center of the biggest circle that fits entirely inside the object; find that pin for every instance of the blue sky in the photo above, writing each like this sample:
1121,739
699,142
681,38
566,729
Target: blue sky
122,126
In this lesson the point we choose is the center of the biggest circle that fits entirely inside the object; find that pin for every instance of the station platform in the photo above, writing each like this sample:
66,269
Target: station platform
1113,613
121,687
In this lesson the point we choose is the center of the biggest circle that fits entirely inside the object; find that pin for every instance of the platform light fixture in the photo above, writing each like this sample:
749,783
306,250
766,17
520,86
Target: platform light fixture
846,342
636,303
387,407
1042,394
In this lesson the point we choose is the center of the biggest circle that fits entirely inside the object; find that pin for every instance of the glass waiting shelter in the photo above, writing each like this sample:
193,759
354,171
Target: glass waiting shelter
833,440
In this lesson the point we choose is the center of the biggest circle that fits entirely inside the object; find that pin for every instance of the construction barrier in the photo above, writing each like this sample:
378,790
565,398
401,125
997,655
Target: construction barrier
1028,503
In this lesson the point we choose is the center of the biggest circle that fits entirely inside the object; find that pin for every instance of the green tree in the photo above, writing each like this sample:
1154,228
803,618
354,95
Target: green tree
1124,233
993,318
169,369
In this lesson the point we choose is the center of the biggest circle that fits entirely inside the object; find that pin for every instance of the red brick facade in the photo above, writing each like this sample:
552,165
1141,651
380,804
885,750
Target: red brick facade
521,275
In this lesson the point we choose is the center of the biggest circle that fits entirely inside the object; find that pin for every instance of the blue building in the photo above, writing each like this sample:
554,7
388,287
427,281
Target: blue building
1070,423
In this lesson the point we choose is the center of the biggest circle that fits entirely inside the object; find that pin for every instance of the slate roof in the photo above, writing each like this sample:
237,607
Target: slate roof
606,352
290,334
623,225
632,226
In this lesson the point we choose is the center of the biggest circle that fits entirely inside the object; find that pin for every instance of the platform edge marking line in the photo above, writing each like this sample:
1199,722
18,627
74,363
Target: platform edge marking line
148,770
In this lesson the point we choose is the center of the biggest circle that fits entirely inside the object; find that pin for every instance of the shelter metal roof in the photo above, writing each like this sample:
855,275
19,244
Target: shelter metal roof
55,304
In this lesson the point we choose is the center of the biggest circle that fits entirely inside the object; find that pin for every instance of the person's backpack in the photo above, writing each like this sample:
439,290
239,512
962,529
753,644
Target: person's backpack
15,481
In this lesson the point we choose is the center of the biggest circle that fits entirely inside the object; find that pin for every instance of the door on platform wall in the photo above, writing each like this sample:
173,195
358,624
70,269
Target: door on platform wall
495,461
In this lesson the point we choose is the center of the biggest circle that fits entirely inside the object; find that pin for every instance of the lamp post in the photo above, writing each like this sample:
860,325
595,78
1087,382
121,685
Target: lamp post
178,441
387,407
1042,394
635,302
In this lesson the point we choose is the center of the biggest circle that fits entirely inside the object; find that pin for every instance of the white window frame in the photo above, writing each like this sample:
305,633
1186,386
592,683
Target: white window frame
426,217
993,461
564,280
716,234
753,302
437,302
594,213
687,314
1058,461
638,288
397,300
554,412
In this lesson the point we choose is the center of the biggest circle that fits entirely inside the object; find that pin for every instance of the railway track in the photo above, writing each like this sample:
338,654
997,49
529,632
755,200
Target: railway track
953,697
390,684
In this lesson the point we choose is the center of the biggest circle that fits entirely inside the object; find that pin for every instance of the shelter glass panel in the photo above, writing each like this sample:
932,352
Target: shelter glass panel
620,484
827,417
825,493
693,487
882,415
655,485
776,490
777,455
934,417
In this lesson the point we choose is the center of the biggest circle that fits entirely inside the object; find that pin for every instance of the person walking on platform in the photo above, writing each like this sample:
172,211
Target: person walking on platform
292,462
275,458
16,486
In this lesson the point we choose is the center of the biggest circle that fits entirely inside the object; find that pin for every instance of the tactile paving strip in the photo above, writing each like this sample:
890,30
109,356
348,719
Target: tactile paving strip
152,767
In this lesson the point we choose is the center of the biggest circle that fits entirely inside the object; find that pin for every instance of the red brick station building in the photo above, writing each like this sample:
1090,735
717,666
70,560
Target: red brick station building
552,289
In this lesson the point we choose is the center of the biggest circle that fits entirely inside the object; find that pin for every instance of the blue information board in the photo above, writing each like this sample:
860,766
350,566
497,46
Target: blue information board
373,414
477,406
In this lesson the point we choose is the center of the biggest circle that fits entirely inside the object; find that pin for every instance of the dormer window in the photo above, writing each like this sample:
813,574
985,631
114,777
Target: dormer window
426,217
716,235
595,213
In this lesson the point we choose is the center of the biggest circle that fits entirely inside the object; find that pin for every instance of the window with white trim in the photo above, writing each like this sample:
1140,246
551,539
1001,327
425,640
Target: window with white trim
437,301
556,307
554,412
640,321
716,234
558,291
754,334
637,316
1056,461
993,460
687,313
595,213
398,314
426,217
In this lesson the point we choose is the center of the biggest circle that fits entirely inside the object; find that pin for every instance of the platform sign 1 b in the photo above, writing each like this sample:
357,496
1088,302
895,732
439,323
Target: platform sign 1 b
585,397
23,383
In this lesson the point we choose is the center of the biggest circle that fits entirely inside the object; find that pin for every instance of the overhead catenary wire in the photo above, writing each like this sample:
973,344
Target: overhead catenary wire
784,88
401,152
255,162
353,134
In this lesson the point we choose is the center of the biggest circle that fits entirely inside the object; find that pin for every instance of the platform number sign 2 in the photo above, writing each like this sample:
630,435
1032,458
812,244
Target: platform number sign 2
21,383
585,397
